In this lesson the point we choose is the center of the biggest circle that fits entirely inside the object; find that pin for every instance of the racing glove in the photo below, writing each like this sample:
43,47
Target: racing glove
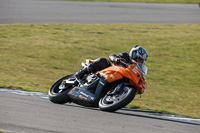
117,60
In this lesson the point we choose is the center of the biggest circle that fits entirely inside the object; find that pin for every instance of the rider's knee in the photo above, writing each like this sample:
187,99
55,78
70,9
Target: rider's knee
103,61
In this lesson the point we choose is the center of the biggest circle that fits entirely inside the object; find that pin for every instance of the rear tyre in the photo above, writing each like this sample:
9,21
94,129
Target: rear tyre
58,96
114,102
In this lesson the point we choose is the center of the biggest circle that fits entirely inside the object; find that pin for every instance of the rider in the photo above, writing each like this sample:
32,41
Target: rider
137,53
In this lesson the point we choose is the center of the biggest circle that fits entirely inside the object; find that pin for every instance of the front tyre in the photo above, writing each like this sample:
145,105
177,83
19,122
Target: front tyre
58,96
117,101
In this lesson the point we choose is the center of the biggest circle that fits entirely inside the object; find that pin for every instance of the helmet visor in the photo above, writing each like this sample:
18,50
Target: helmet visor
140,60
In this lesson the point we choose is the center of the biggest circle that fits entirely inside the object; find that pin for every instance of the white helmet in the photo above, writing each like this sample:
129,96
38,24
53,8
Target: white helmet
138,51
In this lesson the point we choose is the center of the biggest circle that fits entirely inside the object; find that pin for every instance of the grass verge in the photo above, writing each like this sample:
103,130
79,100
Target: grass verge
34,56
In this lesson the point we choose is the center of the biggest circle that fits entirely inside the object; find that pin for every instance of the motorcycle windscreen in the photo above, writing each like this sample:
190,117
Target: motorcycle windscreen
145,69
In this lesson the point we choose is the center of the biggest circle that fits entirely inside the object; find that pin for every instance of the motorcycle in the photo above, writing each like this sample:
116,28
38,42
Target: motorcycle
109,89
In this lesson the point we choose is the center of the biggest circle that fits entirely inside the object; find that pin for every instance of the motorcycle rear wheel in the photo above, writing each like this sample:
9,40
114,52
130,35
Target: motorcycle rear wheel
114,102
58,96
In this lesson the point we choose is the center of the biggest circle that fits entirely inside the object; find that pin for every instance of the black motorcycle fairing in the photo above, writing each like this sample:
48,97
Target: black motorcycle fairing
83,96
92,85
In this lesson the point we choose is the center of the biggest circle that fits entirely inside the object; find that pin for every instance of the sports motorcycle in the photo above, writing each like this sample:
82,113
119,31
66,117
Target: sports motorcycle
109,89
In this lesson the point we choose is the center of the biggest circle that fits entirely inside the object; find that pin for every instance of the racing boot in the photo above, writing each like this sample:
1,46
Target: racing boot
81,73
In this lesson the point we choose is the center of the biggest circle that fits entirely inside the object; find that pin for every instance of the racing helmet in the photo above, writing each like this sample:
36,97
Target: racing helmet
140,52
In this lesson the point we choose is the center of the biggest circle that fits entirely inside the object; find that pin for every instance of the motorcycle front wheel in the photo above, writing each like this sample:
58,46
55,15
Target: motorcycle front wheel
117,101
59,96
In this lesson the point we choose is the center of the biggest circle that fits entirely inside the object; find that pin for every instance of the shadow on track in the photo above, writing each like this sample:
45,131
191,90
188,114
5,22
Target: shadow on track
129,112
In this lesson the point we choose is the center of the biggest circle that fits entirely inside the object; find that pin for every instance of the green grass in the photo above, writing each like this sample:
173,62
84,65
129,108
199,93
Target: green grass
142,1
3,132
34,56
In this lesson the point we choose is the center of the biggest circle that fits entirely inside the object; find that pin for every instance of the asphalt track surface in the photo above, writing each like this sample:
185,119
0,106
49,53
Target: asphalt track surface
40,11
31,114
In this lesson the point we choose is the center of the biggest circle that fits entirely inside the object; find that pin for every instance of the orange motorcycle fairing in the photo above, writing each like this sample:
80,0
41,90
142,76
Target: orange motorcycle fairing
111,74
132,72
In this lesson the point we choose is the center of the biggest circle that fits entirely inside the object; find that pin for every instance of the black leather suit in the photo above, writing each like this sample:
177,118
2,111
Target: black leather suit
102,63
